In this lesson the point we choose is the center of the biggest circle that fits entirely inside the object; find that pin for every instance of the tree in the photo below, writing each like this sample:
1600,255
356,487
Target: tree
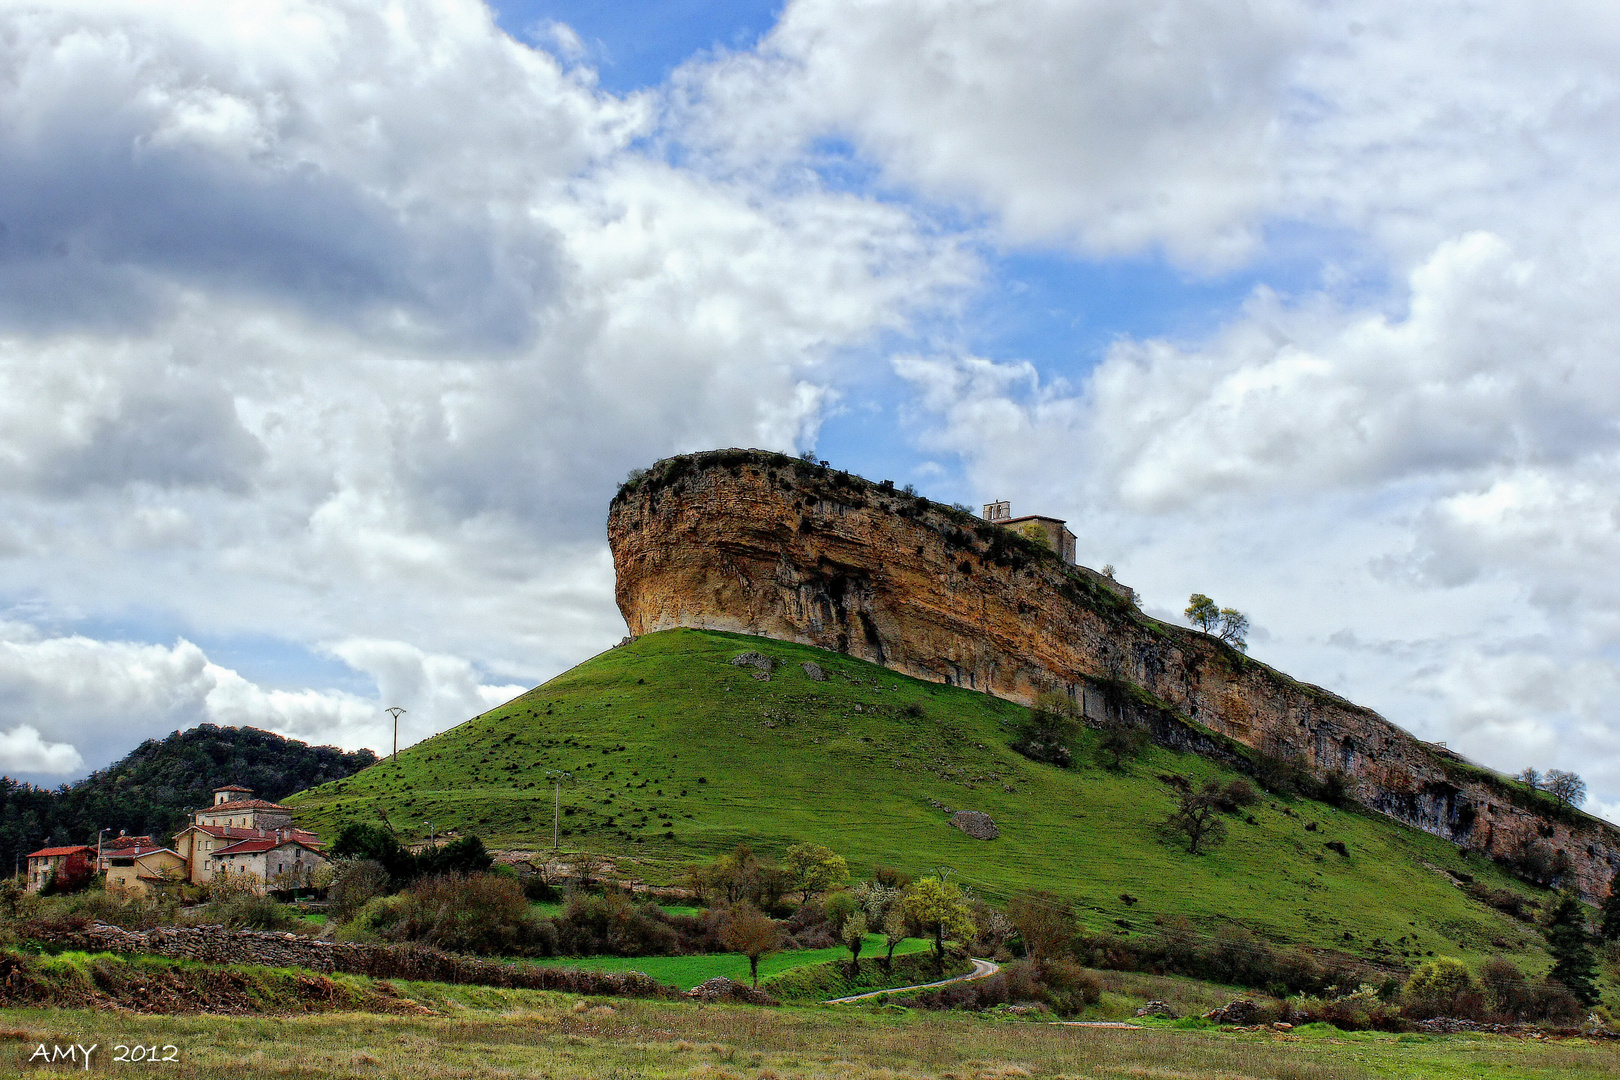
1437,985
938,908
1044,922
355,882
814,868
1234,629
1566,787
1035,535
896,928
1531,778
751,932
73,873
853,935
1196,818
1609,924
464,856
1051,723
362,840
1120,740
1202,612
1571,947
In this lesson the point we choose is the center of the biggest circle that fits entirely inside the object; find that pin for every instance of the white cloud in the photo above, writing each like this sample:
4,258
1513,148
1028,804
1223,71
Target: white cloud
82,701
22,750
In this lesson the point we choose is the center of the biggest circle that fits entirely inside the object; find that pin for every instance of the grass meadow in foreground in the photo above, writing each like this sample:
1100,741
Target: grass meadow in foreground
479,1033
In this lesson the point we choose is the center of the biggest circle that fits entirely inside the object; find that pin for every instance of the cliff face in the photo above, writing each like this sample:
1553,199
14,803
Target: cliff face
764,544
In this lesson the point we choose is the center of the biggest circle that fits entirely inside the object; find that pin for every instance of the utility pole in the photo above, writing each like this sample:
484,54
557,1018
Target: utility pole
99,835
394,712
557,779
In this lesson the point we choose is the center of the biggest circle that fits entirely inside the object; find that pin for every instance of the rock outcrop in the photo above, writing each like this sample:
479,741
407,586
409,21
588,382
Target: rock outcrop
760,543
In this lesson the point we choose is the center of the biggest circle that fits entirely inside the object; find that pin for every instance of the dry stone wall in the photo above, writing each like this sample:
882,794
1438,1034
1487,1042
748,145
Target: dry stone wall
219,945
760,543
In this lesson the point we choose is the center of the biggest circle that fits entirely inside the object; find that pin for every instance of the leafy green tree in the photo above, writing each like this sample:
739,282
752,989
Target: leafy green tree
751,932
464,856
1570,944
1197,818
938,909
1202,612
1436,985
1120,740
814,868
363,840
840,907
853,935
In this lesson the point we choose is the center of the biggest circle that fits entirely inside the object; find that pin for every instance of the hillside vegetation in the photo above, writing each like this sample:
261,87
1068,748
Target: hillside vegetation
677,753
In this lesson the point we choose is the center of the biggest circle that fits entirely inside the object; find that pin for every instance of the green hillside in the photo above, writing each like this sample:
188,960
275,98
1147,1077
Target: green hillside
681,754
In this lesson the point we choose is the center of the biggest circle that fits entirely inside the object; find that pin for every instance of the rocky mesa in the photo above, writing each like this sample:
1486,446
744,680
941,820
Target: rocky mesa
761,543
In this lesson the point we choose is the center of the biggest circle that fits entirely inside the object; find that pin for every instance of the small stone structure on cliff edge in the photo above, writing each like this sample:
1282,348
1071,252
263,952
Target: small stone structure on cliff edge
760,543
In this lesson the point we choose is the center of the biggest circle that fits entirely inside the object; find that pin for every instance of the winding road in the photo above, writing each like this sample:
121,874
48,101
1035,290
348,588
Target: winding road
982,969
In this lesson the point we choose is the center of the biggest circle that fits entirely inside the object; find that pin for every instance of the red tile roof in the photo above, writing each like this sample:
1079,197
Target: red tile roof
239,832
241,804
118,843
234,787
135,852
254,847
50,852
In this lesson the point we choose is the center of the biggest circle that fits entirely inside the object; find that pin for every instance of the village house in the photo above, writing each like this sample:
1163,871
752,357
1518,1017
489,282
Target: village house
47,861
236,819
142,867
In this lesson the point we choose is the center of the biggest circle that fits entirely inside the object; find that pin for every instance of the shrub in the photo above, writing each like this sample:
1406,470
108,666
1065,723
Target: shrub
475,913
1061,985
1441,987
610,923
355,883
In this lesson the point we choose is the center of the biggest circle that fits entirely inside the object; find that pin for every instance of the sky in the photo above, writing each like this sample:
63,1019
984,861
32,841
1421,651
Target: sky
329,327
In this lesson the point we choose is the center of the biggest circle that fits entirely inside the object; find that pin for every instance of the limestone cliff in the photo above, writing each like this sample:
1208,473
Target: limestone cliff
761,543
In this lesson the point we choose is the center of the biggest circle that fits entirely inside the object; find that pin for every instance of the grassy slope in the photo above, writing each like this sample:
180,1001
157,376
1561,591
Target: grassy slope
667,737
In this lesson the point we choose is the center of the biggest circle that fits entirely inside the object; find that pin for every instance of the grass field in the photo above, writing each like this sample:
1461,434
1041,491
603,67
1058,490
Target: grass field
686,972
677,754
483,1034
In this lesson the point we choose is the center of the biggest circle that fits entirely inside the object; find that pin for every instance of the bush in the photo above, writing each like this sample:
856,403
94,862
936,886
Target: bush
1441,987
474,913
1061,985
355,884
610,923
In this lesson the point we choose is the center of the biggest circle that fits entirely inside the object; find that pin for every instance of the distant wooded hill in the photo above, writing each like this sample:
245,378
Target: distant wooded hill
150,790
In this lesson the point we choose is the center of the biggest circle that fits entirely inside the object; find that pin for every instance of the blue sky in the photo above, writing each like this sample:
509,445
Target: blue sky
326,333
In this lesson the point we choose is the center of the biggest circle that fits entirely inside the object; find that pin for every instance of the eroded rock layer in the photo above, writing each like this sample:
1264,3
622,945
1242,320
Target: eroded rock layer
760,543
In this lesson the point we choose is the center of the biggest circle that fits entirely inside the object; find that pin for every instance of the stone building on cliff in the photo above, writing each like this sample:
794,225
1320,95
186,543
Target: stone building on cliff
1051,531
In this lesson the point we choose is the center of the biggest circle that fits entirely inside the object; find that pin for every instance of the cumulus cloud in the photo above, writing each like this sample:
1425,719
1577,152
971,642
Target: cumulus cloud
22,750
83,702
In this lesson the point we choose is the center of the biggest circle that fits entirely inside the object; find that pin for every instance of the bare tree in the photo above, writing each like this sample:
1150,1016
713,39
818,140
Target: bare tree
1566,787
1234,629
1044,922
1531,778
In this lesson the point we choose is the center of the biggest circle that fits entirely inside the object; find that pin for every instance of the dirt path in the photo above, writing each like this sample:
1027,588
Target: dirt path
982,969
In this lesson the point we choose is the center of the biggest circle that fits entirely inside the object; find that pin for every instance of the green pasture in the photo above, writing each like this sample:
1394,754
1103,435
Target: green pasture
675,754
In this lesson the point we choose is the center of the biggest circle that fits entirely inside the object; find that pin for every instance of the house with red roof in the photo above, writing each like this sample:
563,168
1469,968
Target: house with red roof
141,868
47,862
236,818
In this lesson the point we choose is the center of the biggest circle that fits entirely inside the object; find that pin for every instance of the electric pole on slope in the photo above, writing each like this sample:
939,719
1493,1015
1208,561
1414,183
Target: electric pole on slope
557,778
395,712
